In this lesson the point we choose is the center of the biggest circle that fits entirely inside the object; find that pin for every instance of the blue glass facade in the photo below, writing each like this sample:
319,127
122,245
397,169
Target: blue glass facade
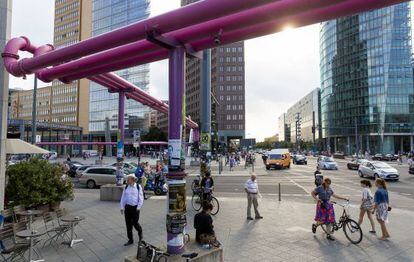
367,92
108,15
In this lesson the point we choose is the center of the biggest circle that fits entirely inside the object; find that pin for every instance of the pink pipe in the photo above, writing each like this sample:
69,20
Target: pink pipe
185,16
10,55
144,143
317,15
343,9
210,28
114,81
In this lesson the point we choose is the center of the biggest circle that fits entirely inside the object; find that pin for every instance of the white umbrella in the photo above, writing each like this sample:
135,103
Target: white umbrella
17,146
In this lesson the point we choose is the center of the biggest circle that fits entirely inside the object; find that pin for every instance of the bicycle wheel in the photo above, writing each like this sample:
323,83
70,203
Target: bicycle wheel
161,258
328,228
352,231
216,206
196,202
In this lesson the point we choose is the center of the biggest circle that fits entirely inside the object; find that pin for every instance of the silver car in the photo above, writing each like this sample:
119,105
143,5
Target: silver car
326,162
98,176
377,169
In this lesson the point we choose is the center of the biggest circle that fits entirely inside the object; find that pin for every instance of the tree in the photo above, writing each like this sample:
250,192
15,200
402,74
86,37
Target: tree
154,134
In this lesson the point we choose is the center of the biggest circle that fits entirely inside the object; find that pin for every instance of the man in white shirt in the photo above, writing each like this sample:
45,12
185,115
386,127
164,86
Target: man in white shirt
252,191
131,203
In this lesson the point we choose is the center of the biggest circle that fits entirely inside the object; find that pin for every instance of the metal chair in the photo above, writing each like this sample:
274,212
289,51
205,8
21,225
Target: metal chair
59,214
20,226
16,209
11,249
54,232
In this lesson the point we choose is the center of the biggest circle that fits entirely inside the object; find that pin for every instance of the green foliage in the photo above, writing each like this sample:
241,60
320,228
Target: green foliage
37,182
154,134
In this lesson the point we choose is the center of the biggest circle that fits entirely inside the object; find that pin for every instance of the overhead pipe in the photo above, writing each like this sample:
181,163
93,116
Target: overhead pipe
183,17
318,15
115,82
212,28
11,56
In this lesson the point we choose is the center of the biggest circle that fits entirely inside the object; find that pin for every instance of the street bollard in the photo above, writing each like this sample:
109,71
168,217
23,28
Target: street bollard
280,194
220,165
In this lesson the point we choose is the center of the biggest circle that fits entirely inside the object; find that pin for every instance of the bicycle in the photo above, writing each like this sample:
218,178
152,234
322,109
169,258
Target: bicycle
197,200
151,253
351,228
189,256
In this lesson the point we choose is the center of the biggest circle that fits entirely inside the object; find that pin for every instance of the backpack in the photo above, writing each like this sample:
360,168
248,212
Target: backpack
318,179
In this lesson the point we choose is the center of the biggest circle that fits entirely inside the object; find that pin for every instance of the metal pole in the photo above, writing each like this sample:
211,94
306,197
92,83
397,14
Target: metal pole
34,108
205,114
5,18
356,137
280,194
176,216
121,125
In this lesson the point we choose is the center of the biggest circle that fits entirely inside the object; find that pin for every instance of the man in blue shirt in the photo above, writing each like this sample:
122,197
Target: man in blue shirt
131,203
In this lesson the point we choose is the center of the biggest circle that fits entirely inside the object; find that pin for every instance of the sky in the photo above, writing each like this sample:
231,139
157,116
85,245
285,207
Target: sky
280,68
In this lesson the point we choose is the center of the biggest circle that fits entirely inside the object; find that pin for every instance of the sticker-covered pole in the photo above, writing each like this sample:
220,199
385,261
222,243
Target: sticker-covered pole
176,216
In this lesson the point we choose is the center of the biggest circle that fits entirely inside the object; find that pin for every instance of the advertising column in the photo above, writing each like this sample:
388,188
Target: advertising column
176,220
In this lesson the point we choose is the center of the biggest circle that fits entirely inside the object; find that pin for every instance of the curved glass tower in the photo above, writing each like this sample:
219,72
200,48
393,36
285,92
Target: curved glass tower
367,92
106,16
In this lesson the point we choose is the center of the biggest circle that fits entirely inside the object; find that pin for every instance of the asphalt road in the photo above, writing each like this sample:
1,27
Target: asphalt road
298,181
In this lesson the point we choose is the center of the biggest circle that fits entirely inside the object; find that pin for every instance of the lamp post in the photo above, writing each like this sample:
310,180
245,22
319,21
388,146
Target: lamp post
34,109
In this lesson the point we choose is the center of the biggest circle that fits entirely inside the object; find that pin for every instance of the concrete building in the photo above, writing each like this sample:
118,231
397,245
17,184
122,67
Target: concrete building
162,120
21,105
107,16
69,102
301,122
367,81
227,86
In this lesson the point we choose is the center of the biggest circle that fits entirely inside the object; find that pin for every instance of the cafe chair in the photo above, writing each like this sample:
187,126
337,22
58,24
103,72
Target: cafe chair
11,250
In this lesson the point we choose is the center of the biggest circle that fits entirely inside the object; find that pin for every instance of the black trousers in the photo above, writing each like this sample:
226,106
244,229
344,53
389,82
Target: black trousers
131,220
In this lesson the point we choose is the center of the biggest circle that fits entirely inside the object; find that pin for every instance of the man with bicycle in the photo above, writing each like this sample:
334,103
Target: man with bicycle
207,186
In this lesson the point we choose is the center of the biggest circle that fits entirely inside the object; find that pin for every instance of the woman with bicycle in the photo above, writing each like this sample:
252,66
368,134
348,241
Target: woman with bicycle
325,213
381,206
367,204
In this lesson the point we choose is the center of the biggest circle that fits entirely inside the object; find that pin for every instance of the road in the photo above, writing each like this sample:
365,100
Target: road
298,181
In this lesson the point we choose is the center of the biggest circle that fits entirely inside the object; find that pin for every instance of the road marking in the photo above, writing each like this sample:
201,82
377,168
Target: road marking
406,194
304,189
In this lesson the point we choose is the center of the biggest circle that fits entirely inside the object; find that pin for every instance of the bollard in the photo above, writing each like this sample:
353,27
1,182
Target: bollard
253,166
280,195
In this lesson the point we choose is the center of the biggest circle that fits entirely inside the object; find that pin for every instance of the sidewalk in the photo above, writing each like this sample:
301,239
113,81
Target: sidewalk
283,235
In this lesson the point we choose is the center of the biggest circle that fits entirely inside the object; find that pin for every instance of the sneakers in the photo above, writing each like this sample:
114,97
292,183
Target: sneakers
314,228
259,217
329,237
373,232
128,243
249,218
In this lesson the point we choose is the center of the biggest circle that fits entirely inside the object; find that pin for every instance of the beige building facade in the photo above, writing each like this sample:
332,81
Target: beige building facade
70,102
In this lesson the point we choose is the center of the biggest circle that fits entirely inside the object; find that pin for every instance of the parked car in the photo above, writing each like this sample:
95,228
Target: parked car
81,169
355,163
73,166
411,169
129,167
390,157
377,169
378,157
98,176
300,160
327,162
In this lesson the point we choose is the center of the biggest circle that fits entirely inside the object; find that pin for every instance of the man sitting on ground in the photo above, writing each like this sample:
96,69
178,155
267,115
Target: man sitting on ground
203,223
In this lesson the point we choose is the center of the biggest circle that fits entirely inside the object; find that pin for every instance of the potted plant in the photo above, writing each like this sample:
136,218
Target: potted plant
37,183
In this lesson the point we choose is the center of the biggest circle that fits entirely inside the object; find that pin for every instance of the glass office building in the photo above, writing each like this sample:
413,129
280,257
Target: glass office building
367,92
108,15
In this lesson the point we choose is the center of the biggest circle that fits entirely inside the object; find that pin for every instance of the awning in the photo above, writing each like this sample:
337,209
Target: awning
18,146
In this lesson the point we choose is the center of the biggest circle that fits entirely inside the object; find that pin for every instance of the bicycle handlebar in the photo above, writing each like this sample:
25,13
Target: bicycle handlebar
339,204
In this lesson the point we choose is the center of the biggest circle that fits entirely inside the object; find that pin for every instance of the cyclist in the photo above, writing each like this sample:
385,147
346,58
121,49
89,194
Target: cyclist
325,213
207,186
